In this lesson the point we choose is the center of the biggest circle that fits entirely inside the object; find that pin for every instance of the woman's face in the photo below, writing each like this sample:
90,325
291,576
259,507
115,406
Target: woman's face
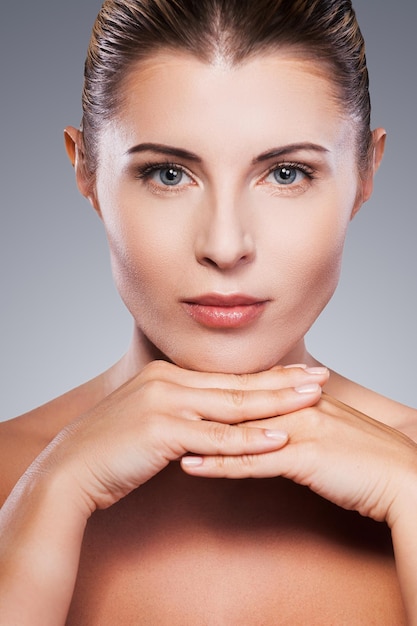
226,193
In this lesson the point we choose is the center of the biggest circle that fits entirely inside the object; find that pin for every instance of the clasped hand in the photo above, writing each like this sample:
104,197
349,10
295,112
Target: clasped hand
274,423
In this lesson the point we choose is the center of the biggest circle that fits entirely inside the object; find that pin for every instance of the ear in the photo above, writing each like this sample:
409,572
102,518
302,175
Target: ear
367,183
74,146
378,146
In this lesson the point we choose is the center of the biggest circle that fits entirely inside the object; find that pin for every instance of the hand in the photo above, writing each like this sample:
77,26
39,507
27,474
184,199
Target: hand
341,454
166,412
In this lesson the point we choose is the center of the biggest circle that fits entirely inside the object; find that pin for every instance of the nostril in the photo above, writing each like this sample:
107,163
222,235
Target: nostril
225,261
207,261
224,242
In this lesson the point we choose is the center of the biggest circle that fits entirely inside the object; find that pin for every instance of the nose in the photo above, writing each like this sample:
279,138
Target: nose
224,239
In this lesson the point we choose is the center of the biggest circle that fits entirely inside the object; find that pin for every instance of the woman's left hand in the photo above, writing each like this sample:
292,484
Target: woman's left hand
344,456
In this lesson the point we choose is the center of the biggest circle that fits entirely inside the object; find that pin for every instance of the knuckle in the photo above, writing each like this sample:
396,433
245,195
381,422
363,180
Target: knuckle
229,465
154,390
288,376
241,380
235,396
219,434
247,461
247,434
278,394
314,418
155,370
219,462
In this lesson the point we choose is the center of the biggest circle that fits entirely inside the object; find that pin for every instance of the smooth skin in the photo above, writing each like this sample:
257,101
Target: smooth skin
228,221
118,518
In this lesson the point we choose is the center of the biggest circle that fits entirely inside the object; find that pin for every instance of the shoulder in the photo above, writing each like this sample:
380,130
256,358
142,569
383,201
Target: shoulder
23,438
375,405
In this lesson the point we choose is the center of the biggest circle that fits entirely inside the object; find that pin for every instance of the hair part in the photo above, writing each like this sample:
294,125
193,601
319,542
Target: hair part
226,31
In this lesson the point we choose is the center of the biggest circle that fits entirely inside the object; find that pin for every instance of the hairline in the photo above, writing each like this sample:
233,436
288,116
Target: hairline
216,58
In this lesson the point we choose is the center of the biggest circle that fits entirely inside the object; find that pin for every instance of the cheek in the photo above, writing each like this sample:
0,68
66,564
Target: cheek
145,260
308,258
322,258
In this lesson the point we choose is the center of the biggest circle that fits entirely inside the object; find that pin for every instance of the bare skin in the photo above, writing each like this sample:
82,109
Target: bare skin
172,494
268,551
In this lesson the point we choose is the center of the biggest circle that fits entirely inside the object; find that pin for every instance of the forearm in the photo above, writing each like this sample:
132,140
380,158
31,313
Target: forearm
41,531
404,537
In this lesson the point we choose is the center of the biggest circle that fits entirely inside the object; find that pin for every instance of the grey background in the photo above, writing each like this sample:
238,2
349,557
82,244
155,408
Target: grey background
61,319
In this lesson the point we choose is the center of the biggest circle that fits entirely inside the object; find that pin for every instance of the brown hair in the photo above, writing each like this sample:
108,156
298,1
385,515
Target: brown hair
126,31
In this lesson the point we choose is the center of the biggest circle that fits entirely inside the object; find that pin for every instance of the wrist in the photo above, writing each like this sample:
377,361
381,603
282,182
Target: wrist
402,520
41,512
59,476
403,504
41,535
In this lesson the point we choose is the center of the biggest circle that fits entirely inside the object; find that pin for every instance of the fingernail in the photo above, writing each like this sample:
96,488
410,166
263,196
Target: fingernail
280,435
316,370
313,388
301,365
192,461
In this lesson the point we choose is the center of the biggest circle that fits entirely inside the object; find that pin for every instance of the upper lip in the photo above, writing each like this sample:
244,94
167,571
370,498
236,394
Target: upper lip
224,300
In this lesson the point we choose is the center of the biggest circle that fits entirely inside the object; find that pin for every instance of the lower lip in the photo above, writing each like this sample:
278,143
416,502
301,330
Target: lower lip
225,316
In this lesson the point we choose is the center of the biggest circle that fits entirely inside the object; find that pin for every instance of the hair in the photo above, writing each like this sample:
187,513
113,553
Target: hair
127,31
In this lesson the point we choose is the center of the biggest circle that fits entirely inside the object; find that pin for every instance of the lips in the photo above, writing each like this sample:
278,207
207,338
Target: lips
224,310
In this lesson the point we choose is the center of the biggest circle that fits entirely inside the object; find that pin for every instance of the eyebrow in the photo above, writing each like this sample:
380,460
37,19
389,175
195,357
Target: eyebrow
191,156
163,149
283,150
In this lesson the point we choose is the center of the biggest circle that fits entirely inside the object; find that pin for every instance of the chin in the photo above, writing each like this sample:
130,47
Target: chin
228,353
243,361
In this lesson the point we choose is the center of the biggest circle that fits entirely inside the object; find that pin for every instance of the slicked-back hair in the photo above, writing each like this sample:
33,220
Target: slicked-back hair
127,31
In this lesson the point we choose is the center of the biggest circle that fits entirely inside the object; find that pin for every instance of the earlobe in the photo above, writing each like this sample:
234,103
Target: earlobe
75,151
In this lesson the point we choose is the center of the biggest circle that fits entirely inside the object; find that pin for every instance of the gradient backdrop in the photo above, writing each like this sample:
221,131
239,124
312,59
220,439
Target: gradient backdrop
61,318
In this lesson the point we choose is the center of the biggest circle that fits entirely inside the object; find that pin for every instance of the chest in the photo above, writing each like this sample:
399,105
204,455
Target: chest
249,554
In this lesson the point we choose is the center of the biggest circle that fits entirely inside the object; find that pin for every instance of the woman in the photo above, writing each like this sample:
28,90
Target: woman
226,147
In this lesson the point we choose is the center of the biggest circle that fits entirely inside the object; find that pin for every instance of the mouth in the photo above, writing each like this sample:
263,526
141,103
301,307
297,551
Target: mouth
224,310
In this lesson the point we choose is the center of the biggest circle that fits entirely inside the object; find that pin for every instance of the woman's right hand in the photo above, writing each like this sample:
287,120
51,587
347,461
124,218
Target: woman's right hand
157,417
165,412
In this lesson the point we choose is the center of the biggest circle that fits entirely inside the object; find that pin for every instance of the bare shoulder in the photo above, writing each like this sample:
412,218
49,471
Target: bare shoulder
23,438
377,406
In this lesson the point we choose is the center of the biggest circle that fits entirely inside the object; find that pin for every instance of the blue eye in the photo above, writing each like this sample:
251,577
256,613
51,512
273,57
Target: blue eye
289,178
164,175
286,175
170,176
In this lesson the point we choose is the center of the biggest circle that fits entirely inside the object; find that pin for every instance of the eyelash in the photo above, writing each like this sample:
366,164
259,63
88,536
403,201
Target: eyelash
147,170
301,167
293,187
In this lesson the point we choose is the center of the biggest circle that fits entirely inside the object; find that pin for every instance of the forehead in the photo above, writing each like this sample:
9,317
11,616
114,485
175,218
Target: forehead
278,97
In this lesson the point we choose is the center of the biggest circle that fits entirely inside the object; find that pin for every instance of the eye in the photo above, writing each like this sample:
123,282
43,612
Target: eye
170,176
286,175
288,178
160,177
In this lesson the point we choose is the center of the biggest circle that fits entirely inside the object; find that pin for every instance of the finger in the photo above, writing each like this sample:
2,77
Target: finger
278,377
212,440
232,406
264,464
236,406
